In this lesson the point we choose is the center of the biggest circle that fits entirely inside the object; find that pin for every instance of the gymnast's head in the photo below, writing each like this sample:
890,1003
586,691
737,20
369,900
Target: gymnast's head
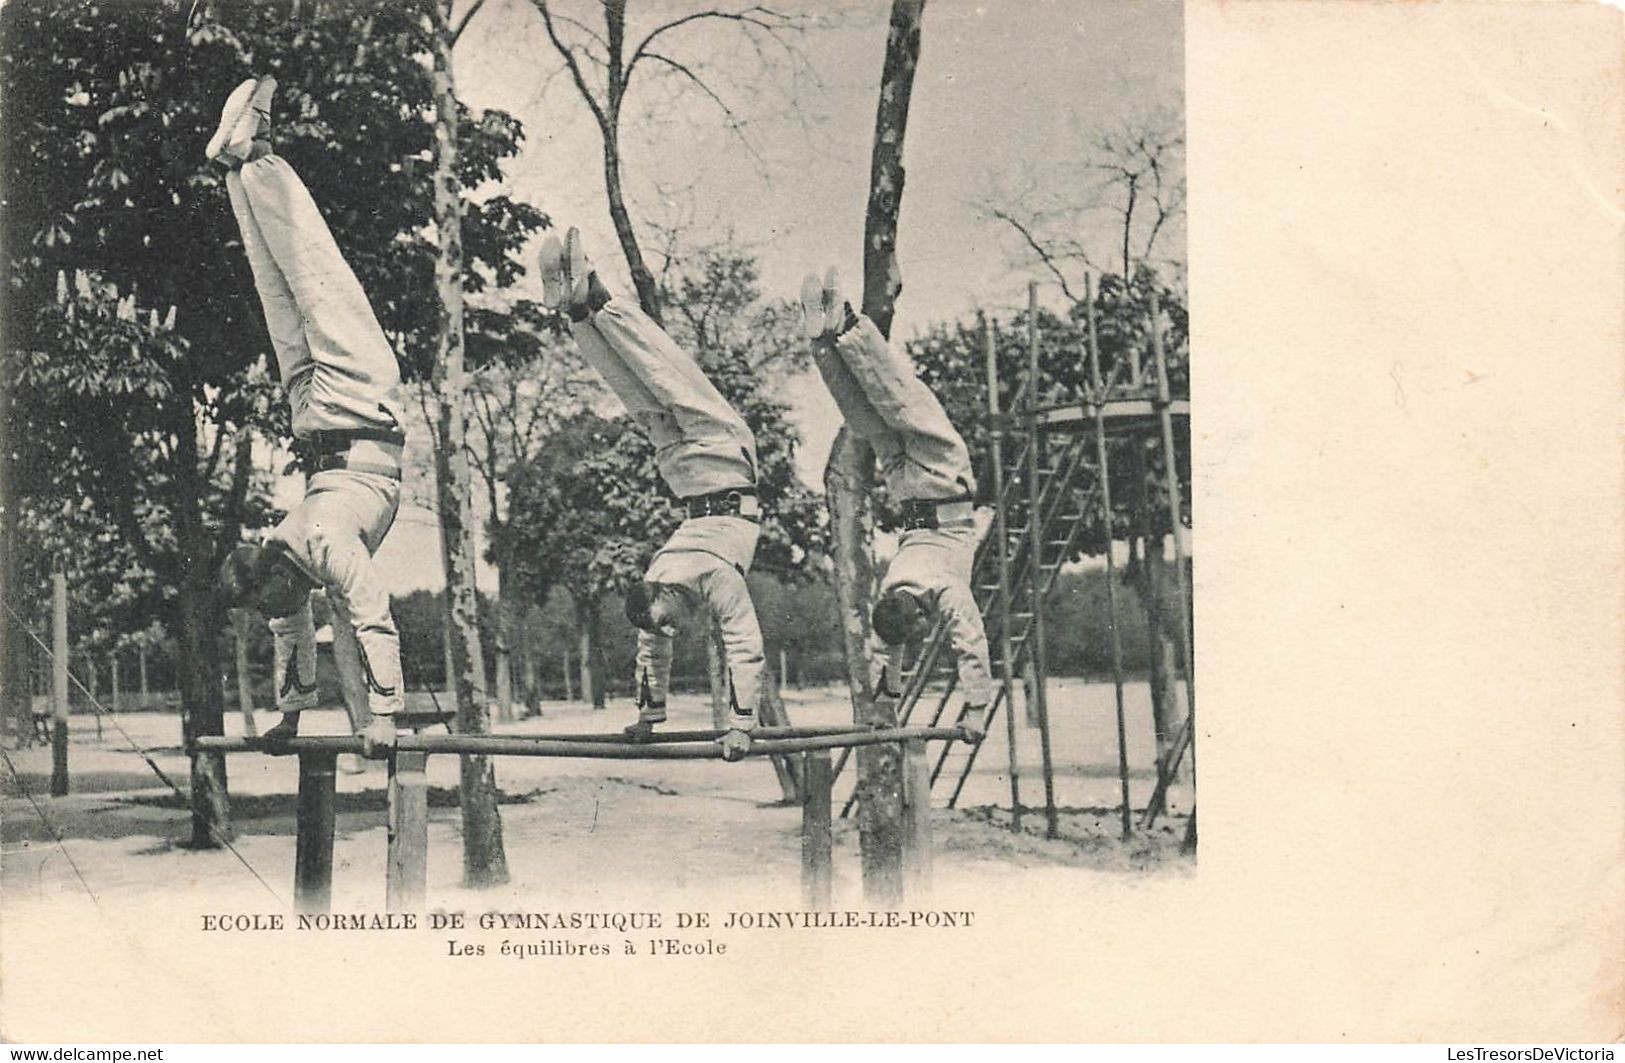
660,608
263,578
901,617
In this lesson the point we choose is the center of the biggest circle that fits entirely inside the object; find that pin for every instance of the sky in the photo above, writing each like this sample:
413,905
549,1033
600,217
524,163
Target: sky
1005,92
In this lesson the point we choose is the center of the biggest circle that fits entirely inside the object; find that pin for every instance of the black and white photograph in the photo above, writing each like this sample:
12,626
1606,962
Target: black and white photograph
653,502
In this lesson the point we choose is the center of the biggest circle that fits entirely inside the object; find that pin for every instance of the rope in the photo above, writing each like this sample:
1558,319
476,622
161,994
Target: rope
51,829
102,713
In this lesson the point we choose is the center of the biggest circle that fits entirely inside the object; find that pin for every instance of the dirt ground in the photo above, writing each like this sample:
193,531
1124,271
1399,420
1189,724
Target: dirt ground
575,831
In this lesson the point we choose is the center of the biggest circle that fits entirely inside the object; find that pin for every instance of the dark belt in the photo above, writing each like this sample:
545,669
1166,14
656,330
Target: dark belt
340,439
922,512
342,460
720,503
330,450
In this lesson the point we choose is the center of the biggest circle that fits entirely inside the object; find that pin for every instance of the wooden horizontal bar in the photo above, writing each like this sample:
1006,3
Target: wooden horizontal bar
1112,408
520,746
702,736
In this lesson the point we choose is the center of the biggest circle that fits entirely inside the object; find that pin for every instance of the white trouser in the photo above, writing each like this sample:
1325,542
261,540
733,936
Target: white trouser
934,564
334,361
709,556
701,444
920,453
333,534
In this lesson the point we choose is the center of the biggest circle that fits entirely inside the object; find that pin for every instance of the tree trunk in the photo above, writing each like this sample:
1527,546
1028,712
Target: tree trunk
851,469
502,624
504,651
533,683
202,699
141,663
590,622
484,860
848,479
882,278
569,677
448,667
597,669
642,279
476,639
245,687
583,663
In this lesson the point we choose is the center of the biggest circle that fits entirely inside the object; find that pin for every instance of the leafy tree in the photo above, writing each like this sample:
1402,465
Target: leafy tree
107,107
526,381
801,618
581,512
950,359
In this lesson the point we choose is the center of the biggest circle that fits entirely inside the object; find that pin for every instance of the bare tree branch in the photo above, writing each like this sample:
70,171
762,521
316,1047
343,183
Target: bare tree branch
1045,258
570,62
1132,175
598,38
755,15
462,23
735,124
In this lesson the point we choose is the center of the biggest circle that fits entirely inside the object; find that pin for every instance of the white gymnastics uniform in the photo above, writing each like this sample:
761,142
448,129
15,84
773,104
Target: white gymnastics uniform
923,460
703,450
341,378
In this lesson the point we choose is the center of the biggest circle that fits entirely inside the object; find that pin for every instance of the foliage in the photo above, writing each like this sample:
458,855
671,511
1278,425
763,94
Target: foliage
951,360
143,431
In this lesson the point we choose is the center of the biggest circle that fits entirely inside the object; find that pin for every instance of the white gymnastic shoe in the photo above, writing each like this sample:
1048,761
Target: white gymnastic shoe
823,311
377,737
565,270
245,118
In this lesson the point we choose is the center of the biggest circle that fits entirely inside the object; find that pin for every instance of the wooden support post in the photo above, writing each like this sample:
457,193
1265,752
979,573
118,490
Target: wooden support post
817,839
1097,386
408,874
59,683
1037,656
1176,522
916,820
313,844
1001,541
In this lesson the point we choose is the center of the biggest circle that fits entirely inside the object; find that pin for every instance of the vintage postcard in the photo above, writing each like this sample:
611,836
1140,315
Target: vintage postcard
559,521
